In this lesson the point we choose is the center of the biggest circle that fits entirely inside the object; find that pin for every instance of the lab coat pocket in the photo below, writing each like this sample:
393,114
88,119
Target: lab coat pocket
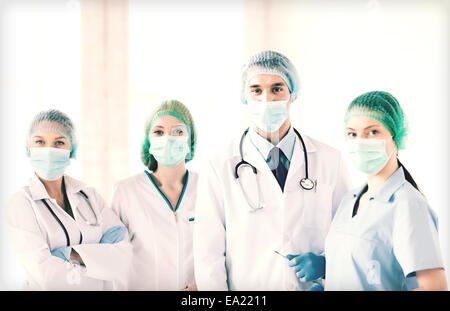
190,220
317,206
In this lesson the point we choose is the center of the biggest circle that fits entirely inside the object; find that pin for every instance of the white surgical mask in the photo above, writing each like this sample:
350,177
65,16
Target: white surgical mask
268,116
368,155
169,150
49,163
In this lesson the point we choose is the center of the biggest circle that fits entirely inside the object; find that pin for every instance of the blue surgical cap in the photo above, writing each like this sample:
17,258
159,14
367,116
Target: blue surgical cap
53,120
270,62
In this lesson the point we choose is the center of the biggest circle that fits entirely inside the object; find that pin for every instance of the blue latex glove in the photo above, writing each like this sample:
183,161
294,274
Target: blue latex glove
63,253
113,235
315,288
308,266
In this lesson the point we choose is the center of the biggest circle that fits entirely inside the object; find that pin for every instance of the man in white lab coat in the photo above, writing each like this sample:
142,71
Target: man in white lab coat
265,201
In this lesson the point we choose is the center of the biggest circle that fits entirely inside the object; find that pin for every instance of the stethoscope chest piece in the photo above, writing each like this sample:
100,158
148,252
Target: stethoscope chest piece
307,184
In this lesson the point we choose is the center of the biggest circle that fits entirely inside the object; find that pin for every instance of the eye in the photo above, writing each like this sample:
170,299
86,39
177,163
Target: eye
256,91
60,143
158,132
39,142
178,132
277,89
373,132
351,134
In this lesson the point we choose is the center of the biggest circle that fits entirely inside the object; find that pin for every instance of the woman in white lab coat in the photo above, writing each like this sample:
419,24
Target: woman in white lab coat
244,214
62,232
157,205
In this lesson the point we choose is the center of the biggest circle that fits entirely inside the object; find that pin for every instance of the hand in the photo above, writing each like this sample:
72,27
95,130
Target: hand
308,266
62,253
113,235
317,287
74,256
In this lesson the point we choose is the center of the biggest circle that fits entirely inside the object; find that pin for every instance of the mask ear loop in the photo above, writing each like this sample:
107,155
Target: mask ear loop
395,150
293,97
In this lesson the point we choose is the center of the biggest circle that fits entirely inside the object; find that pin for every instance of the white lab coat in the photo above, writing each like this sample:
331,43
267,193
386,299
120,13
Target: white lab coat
233,247
162,242
34,232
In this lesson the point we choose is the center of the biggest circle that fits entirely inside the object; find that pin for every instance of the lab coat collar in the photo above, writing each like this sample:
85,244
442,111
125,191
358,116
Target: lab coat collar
38,191
392,184
309,144
73,185
296,170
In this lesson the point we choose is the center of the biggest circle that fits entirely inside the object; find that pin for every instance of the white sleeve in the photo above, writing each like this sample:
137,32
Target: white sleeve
209,233
118,205
109,262
342,186
415,237
31,248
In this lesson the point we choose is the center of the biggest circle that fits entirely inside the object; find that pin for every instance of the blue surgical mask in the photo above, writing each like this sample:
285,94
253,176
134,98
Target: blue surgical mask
268,116
368,155
49,163
169,150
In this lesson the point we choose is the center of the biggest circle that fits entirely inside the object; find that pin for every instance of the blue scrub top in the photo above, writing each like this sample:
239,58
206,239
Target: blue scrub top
394,236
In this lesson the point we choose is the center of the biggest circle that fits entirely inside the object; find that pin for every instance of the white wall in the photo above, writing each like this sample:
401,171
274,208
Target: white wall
189,51
39,70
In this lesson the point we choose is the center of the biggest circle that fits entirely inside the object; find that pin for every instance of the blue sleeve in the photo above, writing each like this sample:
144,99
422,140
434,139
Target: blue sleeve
415,237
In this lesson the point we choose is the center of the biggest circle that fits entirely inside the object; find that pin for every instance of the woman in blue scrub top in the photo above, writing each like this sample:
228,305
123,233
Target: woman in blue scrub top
384,235
157,205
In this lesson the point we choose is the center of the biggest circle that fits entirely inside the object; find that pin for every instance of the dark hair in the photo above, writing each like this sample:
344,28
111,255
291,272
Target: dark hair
408,177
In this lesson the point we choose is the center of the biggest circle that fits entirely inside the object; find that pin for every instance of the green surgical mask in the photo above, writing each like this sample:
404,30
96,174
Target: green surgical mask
368,155
169,150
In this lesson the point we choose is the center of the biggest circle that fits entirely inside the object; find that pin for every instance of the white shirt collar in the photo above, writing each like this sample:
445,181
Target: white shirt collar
264,146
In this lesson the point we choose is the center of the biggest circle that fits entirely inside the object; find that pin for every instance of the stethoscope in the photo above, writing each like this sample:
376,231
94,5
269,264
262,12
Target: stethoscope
94,224
306,183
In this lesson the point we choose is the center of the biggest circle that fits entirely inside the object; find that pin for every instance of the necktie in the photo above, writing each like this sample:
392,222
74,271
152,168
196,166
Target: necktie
278,158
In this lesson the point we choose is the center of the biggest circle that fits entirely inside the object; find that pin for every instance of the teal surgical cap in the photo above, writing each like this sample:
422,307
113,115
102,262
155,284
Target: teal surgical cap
53,120
270,62
384,108
177,110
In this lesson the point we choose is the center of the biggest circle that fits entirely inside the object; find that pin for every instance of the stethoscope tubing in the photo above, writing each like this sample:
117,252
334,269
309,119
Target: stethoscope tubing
60,222
243,162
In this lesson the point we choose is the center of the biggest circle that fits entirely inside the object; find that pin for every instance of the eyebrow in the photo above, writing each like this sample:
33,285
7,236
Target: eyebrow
366,128
275,84
160,126
60,137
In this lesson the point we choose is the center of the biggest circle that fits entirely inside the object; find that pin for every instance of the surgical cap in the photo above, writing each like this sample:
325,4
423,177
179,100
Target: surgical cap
181,112
274,63
384,108
53,120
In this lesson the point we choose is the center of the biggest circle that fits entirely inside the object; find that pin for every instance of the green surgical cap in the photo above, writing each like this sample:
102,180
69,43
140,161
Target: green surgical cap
177,110
53,120
384,108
